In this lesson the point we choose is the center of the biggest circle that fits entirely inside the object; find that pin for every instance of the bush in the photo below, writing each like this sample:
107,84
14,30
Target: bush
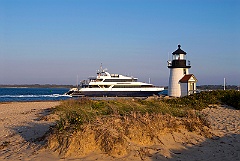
201,100
232,98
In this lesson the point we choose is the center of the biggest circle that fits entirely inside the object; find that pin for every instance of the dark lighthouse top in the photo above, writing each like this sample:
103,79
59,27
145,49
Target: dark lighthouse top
179,59
179,51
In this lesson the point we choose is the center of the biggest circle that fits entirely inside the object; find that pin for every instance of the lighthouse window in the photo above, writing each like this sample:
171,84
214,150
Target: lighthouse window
182,57
176,57
184,71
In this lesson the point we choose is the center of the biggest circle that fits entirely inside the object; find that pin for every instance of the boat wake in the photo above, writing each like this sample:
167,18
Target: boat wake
34,96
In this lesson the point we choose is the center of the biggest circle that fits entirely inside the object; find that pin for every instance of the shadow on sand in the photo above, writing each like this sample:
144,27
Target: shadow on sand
226,148
34,132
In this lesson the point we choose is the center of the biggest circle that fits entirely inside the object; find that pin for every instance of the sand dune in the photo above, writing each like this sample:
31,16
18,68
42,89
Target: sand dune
22,126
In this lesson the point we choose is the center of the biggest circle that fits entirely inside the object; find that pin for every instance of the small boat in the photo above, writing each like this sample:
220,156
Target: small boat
113,85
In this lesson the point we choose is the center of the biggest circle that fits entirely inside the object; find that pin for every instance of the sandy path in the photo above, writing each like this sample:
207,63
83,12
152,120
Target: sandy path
21,125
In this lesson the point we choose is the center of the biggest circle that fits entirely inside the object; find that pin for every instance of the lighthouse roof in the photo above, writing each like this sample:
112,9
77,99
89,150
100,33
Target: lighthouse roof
179,51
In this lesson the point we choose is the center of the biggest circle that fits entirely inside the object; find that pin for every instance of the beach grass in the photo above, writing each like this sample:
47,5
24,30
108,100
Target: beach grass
112,125
74,113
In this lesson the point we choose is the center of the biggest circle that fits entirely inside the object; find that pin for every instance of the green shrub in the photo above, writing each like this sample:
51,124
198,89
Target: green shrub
75,113
232,98
201,100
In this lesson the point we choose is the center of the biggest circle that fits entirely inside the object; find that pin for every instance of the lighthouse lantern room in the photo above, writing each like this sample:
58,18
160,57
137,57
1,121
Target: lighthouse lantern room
181,83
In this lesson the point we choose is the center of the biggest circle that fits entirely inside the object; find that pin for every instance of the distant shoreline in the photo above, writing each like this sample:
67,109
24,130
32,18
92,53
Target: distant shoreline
36,86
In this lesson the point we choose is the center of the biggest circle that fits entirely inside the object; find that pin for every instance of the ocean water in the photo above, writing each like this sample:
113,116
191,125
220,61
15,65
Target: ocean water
164,92
32,94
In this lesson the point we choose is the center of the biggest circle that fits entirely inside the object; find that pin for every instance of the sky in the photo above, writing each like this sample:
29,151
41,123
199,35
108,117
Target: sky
58,41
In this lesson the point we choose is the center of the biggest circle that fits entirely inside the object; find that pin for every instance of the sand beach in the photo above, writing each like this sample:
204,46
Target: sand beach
23,125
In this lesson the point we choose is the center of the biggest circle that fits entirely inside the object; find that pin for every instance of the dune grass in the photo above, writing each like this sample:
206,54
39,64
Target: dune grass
74,113
112,126
202,100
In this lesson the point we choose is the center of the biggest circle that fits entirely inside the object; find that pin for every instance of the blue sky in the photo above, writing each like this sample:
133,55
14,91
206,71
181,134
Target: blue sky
53,41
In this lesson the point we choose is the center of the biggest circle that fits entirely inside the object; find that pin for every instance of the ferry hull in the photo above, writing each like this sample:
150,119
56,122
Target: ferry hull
114,93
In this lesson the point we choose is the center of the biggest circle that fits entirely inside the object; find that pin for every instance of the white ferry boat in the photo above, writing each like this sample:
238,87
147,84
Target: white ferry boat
113,85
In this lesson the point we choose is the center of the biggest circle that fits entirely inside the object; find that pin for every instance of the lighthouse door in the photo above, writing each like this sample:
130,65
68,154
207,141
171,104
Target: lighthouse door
191,88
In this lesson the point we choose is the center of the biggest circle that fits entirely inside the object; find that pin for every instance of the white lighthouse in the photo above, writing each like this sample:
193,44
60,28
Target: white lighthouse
181,83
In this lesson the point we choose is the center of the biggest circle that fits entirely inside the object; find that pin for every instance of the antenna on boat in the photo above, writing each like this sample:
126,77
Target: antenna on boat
149,80
101,67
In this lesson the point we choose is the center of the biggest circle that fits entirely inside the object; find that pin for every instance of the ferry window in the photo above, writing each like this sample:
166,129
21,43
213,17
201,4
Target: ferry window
118,80
125,86
93,86
99,80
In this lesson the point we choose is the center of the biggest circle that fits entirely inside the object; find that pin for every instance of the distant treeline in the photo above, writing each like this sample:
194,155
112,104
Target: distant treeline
36,86
217,87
